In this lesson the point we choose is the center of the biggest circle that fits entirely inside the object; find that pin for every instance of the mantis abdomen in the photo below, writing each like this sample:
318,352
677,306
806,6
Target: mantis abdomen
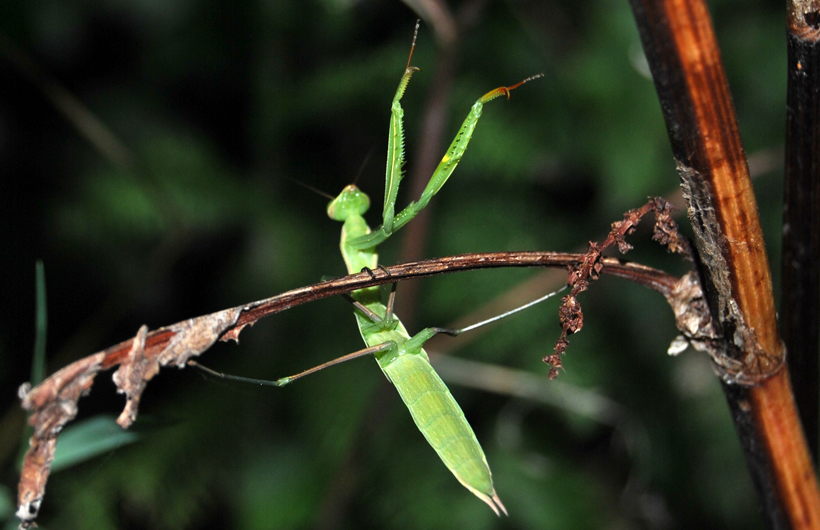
441,421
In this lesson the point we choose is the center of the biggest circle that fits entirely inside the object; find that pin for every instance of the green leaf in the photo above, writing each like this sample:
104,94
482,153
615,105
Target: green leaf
89,438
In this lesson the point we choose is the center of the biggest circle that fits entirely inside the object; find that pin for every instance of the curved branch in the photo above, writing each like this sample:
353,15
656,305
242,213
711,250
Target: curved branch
53,403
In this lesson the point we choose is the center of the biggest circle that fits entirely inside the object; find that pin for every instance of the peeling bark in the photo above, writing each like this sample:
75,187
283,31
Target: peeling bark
53,404
54,401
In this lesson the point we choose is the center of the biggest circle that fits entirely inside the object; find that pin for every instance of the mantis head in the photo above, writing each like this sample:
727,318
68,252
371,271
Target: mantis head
351,201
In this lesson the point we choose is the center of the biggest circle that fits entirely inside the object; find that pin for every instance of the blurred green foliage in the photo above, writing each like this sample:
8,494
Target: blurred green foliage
219,106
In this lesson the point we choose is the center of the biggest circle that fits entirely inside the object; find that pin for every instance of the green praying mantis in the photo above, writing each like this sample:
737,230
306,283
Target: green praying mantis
401,357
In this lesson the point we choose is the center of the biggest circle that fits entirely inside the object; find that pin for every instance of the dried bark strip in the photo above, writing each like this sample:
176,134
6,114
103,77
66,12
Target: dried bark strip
681,48
693,318
53,402
799,308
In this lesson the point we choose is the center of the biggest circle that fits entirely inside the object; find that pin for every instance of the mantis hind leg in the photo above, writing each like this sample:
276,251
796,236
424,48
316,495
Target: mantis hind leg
289,379
417,341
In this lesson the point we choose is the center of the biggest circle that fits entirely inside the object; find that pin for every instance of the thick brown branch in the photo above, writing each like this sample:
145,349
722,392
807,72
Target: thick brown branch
683,56
682,51
799,308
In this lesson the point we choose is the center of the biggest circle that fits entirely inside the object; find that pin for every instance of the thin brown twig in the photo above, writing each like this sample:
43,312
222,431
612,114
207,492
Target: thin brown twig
53,403
760,163
588,269
75,111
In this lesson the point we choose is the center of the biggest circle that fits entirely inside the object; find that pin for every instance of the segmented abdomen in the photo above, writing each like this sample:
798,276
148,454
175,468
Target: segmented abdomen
441,421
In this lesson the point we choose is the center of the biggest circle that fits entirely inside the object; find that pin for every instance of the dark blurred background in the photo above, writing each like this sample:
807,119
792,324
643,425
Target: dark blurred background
148,152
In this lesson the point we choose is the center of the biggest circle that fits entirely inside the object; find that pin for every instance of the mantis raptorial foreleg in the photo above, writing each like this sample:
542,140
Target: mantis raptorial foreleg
391,221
